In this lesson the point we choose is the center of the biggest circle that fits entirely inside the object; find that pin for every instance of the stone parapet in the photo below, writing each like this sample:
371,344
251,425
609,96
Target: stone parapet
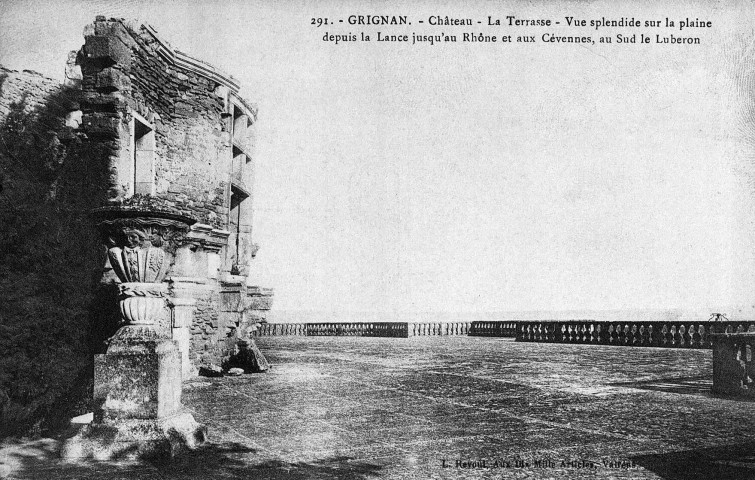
673,334
371,329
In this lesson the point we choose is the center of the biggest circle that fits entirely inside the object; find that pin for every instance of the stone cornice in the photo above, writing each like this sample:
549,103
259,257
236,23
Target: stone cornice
187,62
210,238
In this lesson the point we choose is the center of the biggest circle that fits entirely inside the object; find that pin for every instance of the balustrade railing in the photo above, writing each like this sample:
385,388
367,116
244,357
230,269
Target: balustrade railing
493,329
674,334
422,329
365,329
276,329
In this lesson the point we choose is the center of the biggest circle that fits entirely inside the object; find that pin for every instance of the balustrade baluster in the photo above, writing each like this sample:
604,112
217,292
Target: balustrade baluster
613,335
697,336
654,335
668,337
678,341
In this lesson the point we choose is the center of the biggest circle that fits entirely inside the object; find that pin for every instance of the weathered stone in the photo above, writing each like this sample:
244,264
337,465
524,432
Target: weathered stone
102,126
137,395
73,75
234,372
249,358
106,51
111,79
135,439
138,378
733,368
259,302
163,124
73,119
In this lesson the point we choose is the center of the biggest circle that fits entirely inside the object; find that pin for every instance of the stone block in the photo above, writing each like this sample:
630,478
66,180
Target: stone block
137,379
115,30
101,125
231,301
260,303
112,79
105,51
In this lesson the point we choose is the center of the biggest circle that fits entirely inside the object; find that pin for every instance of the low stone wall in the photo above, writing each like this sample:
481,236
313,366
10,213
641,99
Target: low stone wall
368,329
633,334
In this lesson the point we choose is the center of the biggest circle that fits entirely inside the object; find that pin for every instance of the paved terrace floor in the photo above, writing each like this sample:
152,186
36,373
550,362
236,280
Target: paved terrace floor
359,408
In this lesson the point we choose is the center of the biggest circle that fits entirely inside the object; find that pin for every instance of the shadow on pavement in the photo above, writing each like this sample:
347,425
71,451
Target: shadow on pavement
718,463
213,461
696,385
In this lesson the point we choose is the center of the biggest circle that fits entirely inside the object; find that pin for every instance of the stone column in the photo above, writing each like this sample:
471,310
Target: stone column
182,315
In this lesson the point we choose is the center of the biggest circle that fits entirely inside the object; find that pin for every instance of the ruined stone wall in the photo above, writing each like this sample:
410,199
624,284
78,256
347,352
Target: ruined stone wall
127,77
124,73
27,89
205,349
192,147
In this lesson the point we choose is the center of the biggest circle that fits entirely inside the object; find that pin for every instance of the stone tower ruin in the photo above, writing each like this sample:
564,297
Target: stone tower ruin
177,143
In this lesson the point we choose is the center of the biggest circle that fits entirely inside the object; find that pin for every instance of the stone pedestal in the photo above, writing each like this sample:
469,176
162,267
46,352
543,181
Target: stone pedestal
733,363
137,393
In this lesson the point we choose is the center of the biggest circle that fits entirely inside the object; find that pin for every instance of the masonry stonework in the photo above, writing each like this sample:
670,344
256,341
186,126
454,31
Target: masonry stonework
177,140
141,148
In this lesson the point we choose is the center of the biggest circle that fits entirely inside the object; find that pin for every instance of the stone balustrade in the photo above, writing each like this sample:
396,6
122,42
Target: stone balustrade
439,329
675,334
493,329
366,329
357,329
353,329
276,329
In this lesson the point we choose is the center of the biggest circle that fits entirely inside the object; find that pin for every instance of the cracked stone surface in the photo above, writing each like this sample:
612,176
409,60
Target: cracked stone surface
449,407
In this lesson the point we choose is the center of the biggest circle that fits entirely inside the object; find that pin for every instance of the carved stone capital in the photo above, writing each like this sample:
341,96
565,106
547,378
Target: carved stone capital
159,228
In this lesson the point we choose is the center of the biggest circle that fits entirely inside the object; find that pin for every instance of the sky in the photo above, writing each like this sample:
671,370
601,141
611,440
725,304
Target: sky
467,177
